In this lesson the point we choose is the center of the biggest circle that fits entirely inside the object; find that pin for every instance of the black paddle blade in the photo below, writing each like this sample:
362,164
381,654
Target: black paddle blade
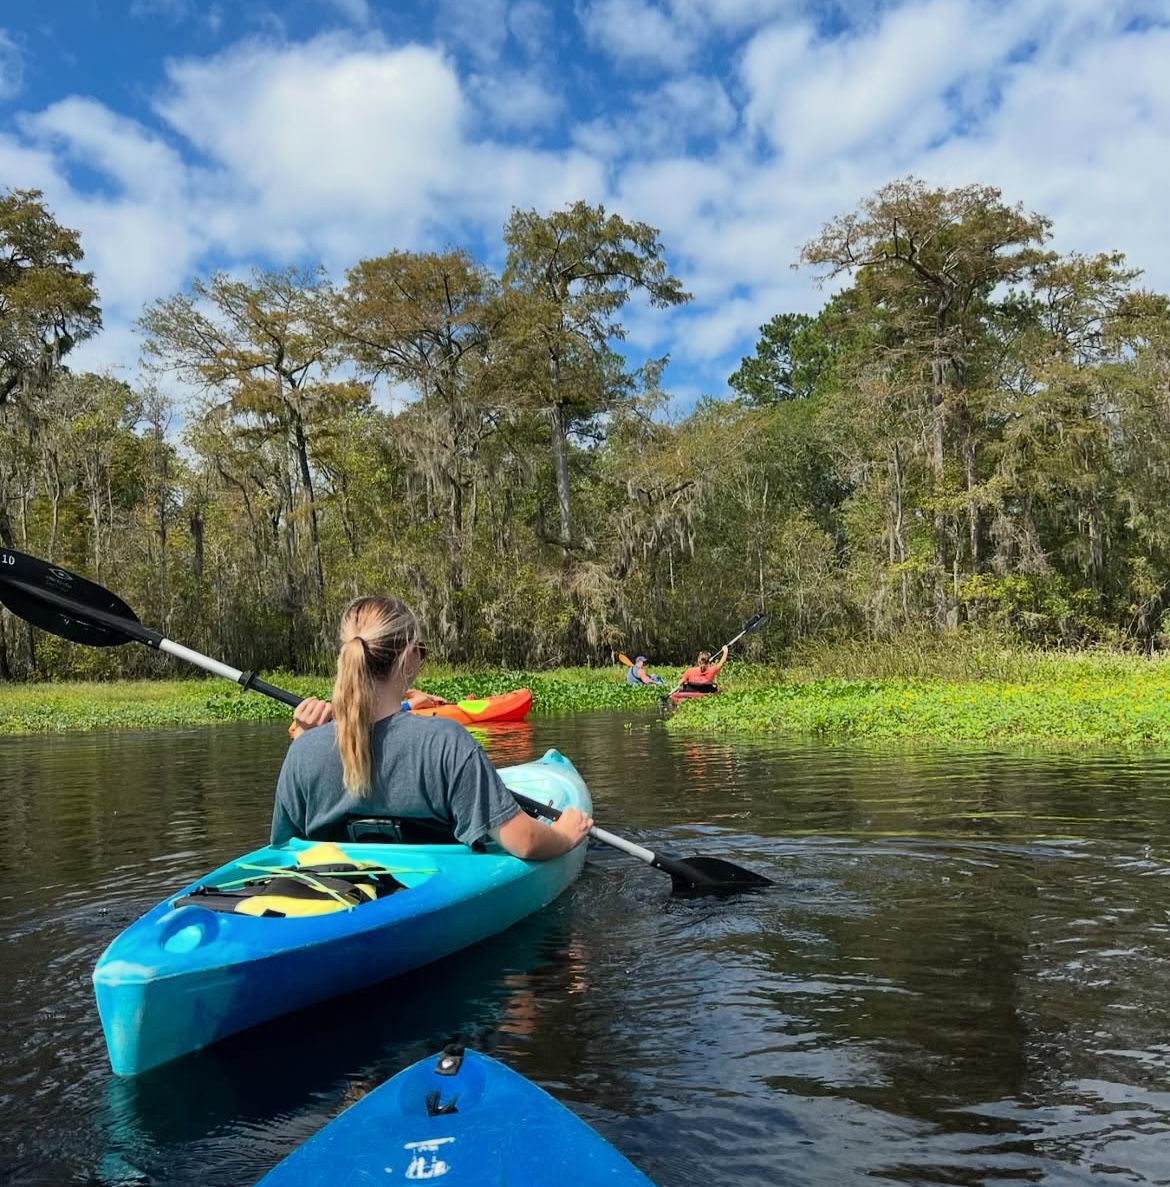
59,601
754,624
708,875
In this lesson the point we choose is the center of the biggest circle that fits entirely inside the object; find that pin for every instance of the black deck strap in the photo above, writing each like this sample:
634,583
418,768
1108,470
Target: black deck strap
344,878
382,881
213,899
287,886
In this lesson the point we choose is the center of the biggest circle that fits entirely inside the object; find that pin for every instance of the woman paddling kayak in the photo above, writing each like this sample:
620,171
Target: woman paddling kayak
361,756
701,677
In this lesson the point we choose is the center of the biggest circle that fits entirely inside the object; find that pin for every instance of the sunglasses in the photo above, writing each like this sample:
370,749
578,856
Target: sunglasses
421,648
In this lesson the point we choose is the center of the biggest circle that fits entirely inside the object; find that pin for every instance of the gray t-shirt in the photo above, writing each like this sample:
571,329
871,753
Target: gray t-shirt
425,767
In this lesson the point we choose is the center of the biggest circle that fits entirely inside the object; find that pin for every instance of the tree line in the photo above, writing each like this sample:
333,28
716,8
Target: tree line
972,430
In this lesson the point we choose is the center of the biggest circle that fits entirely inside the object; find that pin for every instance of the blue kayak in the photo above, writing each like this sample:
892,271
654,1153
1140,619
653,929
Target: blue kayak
465,1119
205,964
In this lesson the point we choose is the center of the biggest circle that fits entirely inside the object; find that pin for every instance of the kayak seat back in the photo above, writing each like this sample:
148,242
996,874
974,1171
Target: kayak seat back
399,830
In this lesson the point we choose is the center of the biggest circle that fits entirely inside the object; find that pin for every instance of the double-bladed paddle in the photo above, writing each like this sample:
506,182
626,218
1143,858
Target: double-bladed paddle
77,609
753,624
65,604
691,875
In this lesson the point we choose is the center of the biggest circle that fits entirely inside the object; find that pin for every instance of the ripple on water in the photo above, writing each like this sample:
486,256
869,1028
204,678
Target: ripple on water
958,978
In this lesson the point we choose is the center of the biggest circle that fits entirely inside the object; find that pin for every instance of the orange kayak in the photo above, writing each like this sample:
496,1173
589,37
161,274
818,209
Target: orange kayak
504,706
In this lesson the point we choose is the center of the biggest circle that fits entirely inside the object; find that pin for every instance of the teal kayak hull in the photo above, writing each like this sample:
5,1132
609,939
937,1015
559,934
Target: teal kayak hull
465,1119
181,978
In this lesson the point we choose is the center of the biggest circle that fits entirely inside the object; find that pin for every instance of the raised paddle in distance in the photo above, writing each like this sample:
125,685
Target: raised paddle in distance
77,609
753,624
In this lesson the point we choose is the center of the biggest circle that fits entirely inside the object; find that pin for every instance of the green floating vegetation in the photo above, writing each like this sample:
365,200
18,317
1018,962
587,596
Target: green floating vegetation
164,704
1005,695
1078,702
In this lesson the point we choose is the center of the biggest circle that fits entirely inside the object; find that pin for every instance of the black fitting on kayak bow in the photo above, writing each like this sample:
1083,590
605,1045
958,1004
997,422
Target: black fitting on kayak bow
448,1064
450,1060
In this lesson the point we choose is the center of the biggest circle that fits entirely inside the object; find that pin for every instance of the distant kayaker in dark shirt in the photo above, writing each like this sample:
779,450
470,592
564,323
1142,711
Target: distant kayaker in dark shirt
637,673
361,756
701,677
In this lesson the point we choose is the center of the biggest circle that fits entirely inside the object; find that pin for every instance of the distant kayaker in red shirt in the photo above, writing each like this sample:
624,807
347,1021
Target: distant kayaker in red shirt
701,677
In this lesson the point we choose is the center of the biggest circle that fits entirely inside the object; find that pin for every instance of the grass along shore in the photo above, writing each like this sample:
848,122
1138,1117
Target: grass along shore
948,690
927,690
162,704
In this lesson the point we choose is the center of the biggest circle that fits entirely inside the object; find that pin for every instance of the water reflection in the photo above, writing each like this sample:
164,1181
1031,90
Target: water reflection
508,742
958,979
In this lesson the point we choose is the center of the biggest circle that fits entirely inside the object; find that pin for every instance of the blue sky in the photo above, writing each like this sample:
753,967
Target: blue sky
183,135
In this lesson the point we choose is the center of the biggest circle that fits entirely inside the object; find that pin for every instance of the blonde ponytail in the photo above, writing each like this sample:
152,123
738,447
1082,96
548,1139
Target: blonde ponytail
376,633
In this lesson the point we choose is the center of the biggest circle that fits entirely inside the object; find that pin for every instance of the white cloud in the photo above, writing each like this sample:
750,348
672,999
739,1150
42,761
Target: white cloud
732,14
330,128
29,167
140,164
1085,139
664,121
882,90
684,198
478,26
336,148
670,33
116,351
637,31
499,178
531,26
136,250
721,330
1058,107
344,146
328,150
514,101
141,238
11,67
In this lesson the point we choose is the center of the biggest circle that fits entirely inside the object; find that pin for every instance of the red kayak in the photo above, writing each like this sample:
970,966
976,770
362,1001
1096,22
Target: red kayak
504,706
676,698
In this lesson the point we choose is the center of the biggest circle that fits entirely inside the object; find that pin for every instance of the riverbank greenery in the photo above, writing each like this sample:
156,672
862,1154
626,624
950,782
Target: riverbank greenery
929,692
971,433
936,693
162,704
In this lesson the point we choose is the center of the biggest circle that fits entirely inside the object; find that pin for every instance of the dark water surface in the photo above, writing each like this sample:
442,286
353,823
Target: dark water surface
961,977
